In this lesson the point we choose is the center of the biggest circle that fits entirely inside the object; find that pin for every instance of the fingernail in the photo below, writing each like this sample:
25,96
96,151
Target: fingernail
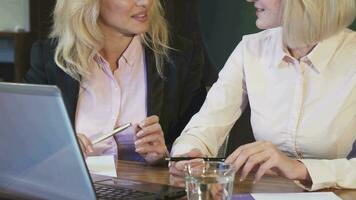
140,133
138,142
138,150
141,125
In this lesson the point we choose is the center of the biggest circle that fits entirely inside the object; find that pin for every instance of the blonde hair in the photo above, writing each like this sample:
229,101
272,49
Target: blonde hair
307,22
79,38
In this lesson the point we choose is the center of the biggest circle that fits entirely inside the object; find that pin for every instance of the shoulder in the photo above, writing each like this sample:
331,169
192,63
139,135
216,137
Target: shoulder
181,47
184,54
264,38
265,44
264,35
348,42
44,49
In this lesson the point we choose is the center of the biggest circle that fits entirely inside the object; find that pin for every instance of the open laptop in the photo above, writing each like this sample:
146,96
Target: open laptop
40,157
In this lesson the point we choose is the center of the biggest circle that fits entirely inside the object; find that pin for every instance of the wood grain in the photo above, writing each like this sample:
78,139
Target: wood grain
268,184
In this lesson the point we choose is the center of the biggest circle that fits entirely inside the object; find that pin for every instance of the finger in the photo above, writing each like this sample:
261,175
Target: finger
150,139
194,153
149,120
177,181
245,154
82,147
87,143
232,157
178,168
252,162
262,170
159,149
149,130
173,170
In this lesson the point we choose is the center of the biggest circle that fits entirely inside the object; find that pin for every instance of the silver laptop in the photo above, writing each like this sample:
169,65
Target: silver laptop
40,157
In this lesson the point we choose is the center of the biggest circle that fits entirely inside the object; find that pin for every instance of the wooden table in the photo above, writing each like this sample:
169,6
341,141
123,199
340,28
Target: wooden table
268,184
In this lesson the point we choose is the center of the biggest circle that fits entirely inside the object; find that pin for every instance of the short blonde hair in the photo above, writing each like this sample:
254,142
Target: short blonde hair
79,38
307,22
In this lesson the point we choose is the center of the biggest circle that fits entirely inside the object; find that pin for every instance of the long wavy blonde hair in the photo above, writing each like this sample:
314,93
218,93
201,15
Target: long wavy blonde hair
307,22
75,27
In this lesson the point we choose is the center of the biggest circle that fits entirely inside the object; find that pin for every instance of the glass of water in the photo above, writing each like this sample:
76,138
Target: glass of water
209,180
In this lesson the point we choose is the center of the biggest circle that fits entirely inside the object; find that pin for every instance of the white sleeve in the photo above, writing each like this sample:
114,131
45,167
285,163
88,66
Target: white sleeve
338,173
224,104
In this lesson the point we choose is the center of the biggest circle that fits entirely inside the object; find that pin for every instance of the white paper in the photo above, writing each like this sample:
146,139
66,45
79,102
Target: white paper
296,196
102,165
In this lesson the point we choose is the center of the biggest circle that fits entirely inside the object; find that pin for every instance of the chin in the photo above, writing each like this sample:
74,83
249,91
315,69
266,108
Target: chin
261,26
139,30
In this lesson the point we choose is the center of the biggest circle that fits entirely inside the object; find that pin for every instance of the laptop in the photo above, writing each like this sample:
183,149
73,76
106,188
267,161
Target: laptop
40,157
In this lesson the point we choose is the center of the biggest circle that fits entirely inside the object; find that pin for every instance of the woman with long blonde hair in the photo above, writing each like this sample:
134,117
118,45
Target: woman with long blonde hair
115,63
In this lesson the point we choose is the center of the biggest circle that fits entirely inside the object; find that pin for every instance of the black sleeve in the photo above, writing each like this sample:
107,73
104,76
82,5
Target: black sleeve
352,154
37,72
194,92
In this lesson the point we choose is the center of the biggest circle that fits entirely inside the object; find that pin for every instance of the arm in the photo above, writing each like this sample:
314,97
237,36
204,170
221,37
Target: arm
339,173
37,73
311,174
193,91
224,104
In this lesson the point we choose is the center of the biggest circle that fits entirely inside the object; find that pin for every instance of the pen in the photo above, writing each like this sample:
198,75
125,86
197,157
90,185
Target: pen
175,159
111,133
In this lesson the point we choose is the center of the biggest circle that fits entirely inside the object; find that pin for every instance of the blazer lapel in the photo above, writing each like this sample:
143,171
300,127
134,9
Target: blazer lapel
70,89
155,85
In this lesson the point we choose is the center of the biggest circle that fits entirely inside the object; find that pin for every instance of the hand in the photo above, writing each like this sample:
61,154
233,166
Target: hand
266,158
149,140
177,168
85,144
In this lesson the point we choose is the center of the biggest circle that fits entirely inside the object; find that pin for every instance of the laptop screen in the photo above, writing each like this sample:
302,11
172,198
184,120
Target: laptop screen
39,157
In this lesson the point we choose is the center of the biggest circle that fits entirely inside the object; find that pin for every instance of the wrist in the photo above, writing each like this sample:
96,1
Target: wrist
302,172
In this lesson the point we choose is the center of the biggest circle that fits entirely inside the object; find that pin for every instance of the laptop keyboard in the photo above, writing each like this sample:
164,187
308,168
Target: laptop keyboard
107,192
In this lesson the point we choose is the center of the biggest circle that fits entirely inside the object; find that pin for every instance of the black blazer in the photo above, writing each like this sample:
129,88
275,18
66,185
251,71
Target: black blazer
352,154
174,99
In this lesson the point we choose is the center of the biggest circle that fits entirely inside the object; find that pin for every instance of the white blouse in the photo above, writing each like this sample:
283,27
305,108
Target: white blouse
307,108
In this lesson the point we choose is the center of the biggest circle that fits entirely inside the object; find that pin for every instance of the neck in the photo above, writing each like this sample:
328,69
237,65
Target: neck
115,43
300,52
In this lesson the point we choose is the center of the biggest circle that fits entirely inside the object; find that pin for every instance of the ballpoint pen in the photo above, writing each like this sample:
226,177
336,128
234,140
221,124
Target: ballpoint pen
111,133
175,159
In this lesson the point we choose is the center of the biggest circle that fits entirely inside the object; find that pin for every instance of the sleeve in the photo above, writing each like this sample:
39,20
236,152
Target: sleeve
36,73
338,173
223,105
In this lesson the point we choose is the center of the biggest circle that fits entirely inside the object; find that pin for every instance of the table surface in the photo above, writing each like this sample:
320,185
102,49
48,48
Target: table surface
268,184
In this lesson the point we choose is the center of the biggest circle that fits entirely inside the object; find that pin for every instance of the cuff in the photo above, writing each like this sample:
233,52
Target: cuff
320,175
186,143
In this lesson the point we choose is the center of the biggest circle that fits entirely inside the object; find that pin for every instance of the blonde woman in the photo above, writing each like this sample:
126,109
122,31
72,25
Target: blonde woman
115,63
299,77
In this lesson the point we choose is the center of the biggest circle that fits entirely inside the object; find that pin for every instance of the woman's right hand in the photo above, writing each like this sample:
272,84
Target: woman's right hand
177,168
85,144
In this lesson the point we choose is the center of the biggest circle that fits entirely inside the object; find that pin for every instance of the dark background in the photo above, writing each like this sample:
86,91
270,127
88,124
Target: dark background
217,25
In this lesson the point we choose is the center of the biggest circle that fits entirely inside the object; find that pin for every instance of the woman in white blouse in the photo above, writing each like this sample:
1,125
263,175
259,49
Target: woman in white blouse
299,77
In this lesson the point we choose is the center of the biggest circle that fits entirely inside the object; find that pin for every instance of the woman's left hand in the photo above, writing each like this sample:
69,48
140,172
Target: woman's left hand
149,140
267,159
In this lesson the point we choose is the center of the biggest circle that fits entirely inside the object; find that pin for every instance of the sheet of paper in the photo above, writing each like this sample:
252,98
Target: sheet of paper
287,196
102,165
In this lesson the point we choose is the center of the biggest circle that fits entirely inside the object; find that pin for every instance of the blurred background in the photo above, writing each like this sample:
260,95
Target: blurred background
217,25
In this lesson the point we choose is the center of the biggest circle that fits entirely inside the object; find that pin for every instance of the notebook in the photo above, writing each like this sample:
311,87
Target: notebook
40,157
